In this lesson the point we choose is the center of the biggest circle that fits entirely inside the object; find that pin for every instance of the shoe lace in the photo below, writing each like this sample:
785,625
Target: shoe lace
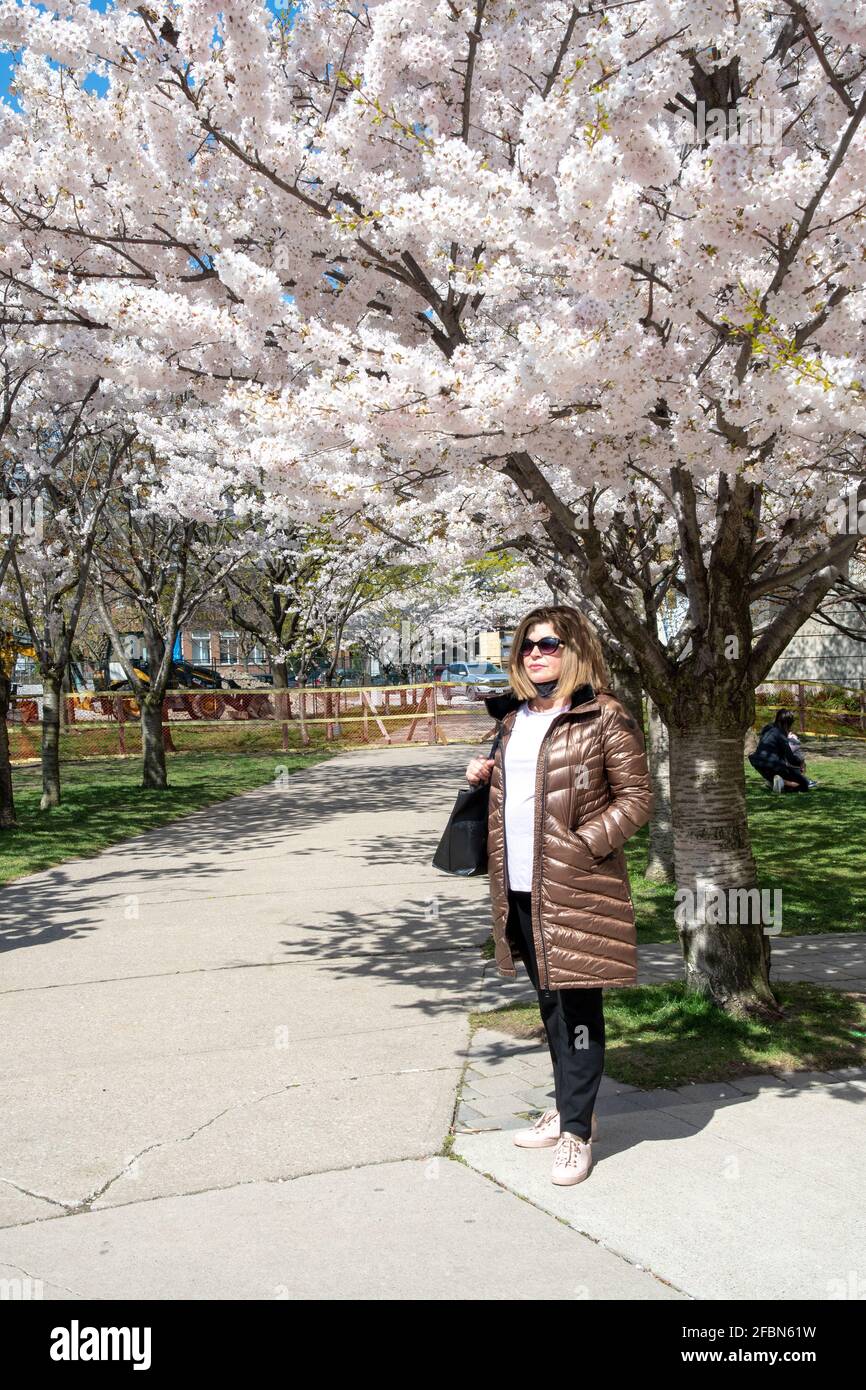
544,1120
568,1149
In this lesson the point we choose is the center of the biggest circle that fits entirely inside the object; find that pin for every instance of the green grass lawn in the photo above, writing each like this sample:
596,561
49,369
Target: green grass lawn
657,1035
102,740
103,803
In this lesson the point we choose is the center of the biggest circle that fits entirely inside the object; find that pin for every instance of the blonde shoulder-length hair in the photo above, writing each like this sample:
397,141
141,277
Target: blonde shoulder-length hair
583,660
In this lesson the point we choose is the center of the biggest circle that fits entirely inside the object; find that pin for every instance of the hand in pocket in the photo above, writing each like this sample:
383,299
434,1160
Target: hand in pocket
583,858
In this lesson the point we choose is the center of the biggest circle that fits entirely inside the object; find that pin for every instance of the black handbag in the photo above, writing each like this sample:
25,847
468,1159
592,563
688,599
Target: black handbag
463,847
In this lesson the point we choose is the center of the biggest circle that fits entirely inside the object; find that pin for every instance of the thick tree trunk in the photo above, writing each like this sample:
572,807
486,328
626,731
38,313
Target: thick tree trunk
302,710
67,688
280,671
7,800
629,690
50,741
660,857
154,773
725,948
627,685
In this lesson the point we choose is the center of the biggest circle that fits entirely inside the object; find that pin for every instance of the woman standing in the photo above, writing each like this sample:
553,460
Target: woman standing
569,785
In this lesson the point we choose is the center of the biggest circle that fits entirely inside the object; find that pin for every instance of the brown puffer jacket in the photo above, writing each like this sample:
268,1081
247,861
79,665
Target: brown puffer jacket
592,792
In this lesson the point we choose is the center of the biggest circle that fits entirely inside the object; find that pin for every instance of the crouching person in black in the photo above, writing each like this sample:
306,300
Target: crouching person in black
774,757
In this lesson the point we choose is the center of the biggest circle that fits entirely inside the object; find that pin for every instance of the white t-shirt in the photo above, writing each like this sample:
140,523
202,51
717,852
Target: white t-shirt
521,764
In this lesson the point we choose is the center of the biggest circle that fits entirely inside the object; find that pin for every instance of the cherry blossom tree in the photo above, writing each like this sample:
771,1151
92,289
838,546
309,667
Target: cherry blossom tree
160,564
607,257
7,664
20,505
442,604
79,453
300,587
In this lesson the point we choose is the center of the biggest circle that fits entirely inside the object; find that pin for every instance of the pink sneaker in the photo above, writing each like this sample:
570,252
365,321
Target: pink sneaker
540,1135
572,1160
544,1133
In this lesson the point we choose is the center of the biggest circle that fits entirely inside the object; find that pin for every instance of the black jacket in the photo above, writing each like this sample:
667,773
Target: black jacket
773,751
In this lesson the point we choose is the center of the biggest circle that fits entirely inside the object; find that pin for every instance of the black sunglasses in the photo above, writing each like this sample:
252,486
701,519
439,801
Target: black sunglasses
547,646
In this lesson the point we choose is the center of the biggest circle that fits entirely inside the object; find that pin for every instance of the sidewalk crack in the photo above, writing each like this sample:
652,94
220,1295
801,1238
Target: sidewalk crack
86,1203
5,1264
83,1204
38,1196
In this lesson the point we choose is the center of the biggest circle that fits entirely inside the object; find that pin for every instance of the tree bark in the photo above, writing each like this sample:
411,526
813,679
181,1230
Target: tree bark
280,671
67,688
660,858
7,799
727,960
50,741
154,772
660,846
302,710
628,688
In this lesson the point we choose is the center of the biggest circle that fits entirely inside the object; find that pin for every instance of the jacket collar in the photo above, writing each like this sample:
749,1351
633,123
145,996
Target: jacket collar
498,706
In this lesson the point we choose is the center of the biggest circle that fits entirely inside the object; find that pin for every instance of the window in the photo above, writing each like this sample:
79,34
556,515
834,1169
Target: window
200,648
257,654
229,649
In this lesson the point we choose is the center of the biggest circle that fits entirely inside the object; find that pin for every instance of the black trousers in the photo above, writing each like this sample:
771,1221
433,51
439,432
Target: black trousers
574,1024
771,767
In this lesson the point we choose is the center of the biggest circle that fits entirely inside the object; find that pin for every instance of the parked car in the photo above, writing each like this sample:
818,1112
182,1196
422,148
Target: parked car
477,679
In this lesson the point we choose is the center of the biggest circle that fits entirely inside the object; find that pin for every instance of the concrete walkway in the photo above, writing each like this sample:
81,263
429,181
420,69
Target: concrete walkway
232,1050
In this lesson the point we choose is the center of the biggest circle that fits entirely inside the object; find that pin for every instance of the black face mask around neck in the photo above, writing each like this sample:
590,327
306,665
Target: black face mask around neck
544,688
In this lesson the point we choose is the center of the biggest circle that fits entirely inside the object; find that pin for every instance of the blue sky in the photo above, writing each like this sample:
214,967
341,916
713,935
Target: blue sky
7,60
94,83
